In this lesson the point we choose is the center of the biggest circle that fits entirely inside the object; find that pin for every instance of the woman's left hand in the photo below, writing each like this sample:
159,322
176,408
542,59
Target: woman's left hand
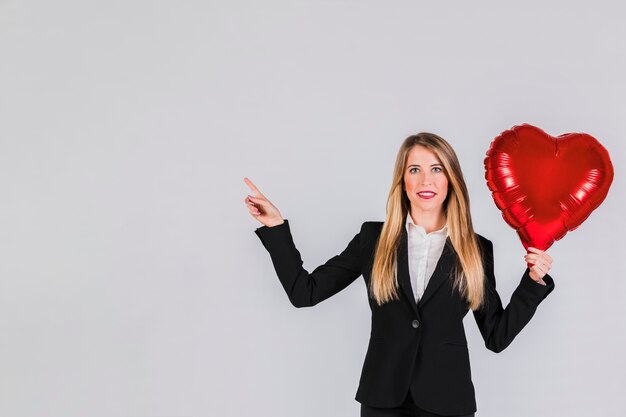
541,264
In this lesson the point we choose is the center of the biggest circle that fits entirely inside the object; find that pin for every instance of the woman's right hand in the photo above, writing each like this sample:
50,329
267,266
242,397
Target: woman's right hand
261,208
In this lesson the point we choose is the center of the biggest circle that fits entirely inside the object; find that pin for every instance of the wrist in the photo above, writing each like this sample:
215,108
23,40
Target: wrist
537,279
276,223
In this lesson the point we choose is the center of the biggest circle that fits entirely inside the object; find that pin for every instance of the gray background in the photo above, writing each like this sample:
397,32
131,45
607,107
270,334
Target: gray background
132,283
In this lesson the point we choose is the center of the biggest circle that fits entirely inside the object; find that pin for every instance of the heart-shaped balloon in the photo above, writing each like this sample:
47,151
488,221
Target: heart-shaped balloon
546,186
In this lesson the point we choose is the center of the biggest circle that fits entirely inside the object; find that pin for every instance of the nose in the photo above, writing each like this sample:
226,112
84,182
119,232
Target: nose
426,179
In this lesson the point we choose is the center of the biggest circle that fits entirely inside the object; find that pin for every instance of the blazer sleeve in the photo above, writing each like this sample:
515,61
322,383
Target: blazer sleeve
306,289
499,326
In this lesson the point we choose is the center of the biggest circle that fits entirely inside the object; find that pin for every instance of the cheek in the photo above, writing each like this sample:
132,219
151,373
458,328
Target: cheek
408,184
443,185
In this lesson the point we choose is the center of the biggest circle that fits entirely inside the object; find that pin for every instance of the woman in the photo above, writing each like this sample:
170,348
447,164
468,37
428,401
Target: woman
424,268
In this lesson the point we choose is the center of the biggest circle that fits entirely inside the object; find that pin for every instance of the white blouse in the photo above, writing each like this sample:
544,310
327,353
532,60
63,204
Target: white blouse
424,252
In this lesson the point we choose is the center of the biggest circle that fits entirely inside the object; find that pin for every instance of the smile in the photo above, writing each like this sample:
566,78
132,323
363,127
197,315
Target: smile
426,195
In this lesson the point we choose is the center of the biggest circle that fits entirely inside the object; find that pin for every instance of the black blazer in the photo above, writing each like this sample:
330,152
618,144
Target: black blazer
421,347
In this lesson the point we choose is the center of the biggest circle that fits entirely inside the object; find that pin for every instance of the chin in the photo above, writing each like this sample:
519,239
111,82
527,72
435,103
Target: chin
430,205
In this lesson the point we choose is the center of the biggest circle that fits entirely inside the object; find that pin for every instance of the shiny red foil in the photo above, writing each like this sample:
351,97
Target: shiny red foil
546,186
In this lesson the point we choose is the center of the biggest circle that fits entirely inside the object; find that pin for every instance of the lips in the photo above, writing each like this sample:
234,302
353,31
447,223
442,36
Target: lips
426,194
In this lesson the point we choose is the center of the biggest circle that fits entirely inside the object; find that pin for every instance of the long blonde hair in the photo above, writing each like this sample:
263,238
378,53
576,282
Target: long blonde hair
468,269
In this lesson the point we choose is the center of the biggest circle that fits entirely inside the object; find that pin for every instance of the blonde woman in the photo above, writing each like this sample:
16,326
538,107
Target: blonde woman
424,268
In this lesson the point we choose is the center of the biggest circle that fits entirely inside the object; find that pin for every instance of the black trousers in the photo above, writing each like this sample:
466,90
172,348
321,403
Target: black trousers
407,409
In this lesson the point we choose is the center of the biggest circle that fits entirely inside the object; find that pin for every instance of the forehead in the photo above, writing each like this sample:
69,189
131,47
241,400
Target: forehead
419,155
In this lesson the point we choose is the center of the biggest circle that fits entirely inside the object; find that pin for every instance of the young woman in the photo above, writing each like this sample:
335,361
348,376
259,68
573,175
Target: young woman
424,268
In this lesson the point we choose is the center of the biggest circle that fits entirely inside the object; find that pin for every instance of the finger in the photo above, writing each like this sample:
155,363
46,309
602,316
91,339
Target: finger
249,202
535,261
538,270
544,267
254,211
252,206
547,264
531,258
546,260
538,255
257,201
253,187
542,254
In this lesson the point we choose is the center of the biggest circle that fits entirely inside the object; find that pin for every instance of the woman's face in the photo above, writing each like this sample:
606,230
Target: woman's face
425,182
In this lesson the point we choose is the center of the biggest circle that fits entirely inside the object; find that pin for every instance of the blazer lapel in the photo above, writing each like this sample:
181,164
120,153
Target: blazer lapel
440,274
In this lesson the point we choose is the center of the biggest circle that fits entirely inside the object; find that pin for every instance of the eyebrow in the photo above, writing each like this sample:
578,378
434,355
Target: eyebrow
432,165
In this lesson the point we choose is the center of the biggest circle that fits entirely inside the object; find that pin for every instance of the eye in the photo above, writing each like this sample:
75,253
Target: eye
438,168
411,170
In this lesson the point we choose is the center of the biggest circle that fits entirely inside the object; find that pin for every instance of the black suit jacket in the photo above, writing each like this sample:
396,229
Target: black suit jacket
421,347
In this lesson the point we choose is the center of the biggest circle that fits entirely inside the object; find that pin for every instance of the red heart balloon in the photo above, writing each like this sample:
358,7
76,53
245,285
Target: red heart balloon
544,185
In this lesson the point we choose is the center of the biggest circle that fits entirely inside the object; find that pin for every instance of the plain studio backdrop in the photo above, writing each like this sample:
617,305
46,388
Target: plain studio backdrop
131,280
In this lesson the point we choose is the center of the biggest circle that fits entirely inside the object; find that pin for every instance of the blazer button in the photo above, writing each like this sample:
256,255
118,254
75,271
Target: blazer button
415,324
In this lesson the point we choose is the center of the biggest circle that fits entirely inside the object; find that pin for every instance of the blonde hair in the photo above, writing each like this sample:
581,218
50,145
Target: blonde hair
468,269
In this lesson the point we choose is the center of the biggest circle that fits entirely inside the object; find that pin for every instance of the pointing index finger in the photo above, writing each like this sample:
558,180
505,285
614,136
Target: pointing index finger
255,190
